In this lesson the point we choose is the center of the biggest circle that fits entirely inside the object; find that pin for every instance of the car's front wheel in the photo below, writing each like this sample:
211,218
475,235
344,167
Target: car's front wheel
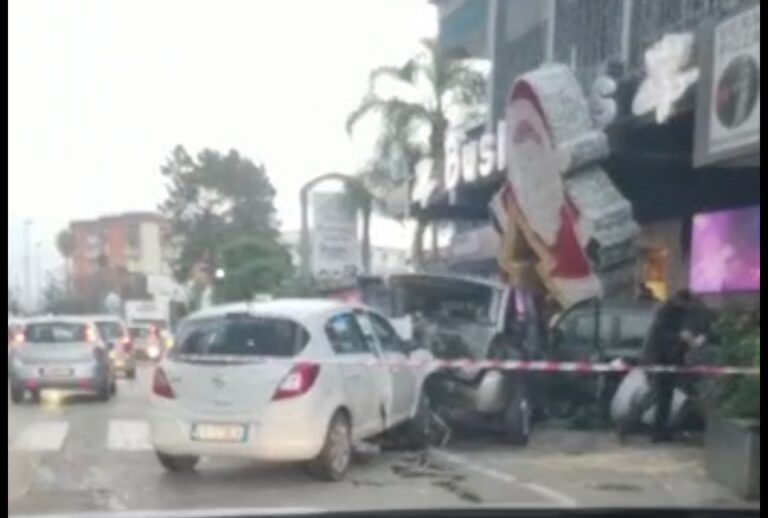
419,428
517,417
333,461
177,463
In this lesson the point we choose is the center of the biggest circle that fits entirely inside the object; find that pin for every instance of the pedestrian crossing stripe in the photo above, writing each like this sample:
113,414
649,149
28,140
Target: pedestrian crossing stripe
128,435
48,436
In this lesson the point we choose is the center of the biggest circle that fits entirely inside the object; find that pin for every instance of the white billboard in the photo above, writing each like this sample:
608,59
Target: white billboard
333,234
728,111
735,97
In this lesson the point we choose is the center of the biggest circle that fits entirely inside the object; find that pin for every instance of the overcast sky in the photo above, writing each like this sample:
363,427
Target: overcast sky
100,92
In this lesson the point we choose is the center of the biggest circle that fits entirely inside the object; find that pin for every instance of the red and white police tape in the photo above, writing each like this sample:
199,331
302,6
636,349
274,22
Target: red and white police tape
510,365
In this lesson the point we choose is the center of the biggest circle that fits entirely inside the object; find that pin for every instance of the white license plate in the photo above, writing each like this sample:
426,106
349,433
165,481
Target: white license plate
218,432
57,372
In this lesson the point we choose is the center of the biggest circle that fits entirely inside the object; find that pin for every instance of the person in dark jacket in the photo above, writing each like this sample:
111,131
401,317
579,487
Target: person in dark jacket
668,341
645,293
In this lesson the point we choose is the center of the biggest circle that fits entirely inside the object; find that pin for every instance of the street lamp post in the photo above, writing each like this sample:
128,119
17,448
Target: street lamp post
27,281
38,272
304,238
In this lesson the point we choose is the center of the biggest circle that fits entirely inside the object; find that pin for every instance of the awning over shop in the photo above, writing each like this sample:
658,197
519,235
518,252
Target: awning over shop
463,26
652,165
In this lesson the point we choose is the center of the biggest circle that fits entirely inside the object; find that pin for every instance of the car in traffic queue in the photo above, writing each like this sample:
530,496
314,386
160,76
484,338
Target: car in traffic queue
114,332
147,341
15,326
61,352
285,381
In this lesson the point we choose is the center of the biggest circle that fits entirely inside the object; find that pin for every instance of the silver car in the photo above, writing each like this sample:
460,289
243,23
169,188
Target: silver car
15,326
147,341
61,352
115,334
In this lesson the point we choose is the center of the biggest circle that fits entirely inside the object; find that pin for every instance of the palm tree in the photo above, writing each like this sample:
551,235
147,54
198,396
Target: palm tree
65,243
414,128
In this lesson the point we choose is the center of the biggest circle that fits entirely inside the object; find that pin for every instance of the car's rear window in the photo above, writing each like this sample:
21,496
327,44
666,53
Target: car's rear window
110,330
241,336
55,332
138,333
159,324
634,327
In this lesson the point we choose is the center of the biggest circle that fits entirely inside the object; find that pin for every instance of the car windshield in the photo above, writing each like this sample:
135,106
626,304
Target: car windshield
55,332
446,299
110,330
241,336
276,256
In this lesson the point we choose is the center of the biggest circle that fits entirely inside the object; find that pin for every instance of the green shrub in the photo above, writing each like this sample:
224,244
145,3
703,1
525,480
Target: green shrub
738,396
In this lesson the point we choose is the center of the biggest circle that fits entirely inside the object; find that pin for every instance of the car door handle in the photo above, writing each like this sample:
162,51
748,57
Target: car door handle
353,375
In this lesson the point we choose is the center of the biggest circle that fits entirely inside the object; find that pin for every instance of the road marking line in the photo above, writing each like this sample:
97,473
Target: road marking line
553,495
128,435
42,437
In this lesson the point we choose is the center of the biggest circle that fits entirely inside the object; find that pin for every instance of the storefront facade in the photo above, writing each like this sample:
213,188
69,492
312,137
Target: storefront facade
675,156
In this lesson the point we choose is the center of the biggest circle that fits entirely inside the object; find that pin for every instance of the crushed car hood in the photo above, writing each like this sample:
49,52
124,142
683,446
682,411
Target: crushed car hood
454,339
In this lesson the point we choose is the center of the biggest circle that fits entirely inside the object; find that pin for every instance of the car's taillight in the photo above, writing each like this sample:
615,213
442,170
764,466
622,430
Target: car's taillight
298,381
18,339
90,335
160,385
127,344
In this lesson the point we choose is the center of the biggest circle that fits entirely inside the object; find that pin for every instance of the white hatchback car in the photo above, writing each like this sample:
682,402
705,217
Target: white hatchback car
286,380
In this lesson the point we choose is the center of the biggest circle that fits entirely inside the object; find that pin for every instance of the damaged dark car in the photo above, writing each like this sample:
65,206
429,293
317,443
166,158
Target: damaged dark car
471,319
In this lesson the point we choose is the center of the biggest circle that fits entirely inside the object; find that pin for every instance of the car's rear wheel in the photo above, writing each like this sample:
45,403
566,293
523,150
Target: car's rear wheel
517,417
333,461
177,463
17,394
105,391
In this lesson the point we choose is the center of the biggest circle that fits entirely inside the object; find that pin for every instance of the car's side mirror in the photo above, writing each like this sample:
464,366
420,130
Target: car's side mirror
411,345
403,326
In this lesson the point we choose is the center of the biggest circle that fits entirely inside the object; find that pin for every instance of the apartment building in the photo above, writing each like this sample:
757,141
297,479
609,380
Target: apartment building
131,242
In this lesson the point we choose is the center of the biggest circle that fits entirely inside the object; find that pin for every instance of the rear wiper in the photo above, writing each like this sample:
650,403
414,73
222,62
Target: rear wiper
218,359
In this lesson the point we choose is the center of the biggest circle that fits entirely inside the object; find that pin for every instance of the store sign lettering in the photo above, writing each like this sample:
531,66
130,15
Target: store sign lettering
602,103
468,160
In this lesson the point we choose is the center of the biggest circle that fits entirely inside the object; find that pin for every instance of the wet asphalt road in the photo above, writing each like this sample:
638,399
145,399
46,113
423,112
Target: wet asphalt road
82,455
